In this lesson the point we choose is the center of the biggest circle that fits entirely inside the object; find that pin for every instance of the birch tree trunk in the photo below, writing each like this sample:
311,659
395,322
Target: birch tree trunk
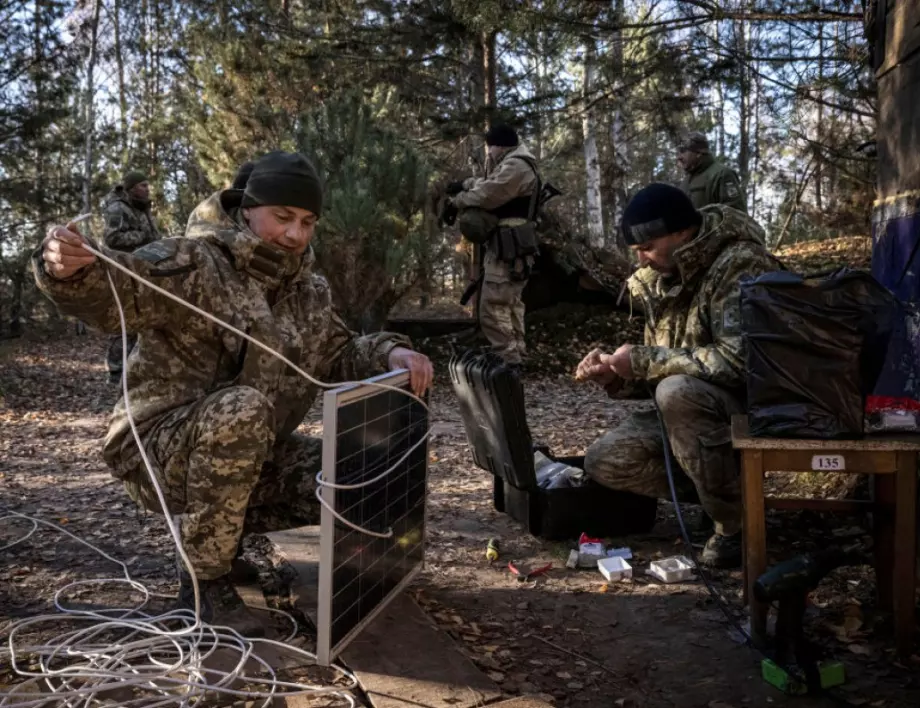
122,92
593,206
90,109
618,137
744,106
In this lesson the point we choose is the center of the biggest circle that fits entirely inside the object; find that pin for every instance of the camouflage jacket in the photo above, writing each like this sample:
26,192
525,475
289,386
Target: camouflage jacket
711,182
693,322
507,179
209,210
226,270
126,227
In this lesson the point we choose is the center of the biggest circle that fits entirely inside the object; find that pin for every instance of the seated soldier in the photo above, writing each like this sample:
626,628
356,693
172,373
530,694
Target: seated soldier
217,414
691,264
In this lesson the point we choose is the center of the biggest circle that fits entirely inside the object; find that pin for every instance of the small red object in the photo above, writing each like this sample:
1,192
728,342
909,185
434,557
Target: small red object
585,538
522,576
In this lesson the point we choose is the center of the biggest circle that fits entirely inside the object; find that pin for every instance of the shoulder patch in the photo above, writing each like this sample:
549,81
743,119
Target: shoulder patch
113,220
158,251
731,189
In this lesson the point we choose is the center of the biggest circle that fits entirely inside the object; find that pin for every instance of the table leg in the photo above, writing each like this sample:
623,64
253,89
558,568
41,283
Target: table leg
885,498
755,537
905,552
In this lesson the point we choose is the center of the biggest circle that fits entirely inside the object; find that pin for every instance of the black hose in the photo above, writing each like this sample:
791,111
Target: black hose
793,672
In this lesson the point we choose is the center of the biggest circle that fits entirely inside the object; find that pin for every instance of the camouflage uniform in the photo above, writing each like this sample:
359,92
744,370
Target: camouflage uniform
126,228
693,357
711,182
501,310
216,415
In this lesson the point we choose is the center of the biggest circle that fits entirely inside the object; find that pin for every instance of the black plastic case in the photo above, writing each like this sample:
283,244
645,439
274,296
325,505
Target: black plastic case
492,407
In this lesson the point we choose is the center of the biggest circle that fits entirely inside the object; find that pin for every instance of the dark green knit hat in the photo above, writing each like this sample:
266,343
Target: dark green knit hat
657,210
133,178
284,179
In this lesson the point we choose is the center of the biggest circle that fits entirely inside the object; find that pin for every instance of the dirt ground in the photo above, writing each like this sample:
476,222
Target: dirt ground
566,636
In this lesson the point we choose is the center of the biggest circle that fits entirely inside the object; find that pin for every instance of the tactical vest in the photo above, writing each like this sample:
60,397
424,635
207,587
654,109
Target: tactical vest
523,207
517,208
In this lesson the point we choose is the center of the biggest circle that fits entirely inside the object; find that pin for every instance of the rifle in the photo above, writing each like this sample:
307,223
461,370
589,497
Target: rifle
471,289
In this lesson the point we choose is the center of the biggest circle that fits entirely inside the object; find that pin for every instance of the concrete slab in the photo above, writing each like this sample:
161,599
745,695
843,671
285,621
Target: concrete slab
523,702
401,660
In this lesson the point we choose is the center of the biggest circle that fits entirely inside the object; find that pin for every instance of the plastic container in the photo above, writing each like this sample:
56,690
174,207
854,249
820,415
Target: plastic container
491,402
615,568
671,570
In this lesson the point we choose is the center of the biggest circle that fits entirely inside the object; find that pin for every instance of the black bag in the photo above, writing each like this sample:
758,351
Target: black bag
492,407
513,242
814,349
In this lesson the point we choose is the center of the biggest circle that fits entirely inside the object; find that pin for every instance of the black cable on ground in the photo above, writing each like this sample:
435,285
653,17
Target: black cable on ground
794,673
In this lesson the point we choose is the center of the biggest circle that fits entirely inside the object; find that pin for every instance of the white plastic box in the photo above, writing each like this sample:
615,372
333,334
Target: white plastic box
671,570
615,568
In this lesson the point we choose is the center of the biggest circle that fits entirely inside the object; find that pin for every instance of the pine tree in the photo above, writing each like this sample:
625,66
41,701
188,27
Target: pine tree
372,242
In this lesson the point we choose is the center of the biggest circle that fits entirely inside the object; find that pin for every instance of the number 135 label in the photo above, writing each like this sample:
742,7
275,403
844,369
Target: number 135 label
828,463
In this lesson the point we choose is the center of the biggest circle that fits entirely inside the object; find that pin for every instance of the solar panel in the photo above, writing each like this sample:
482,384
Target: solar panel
366,430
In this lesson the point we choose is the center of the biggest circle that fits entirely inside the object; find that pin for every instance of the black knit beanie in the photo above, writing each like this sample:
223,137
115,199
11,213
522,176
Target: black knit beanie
132,178
284,179
502,135
658,210
242,175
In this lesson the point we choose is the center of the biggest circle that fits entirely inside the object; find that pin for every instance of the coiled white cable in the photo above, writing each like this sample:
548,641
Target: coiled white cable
159,659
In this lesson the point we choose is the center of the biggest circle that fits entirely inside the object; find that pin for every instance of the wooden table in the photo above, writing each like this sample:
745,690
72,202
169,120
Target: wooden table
892,462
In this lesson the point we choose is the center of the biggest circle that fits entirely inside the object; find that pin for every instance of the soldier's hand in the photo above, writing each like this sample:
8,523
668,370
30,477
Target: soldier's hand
593,368
62,253
419,366
620,362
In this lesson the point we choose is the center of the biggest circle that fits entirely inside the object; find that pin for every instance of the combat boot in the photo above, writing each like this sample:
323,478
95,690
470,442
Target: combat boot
242,572
221,604
722,551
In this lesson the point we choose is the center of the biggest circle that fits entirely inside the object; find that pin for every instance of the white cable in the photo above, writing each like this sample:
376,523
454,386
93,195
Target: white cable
320,480
162,657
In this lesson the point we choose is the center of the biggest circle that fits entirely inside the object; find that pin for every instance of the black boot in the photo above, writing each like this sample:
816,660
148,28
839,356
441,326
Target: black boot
220,605
722,551
242,572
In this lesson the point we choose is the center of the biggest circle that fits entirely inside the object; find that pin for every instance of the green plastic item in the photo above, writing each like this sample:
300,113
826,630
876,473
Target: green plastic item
832,674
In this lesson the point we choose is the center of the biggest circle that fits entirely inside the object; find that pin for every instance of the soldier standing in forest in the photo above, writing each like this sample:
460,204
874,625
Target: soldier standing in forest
216,415
708,181
498,213
128,226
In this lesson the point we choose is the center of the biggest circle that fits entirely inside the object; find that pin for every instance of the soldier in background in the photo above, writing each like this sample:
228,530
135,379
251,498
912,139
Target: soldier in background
708,181
689,283
216,415
128,226
498,212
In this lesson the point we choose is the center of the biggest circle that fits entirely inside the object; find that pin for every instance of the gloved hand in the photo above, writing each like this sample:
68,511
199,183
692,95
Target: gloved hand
454,188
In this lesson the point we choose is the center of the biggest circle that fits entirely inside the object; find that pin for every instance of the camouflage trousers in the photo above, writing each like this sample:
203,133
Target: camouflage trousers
224,475
501,310
698,419
113,358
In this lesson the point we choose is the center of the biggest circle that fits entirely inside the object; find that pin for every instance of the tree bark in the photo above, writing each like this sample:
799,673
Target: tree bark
489,74
90,110
594,207
744,107
477,106
618,137
122,92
